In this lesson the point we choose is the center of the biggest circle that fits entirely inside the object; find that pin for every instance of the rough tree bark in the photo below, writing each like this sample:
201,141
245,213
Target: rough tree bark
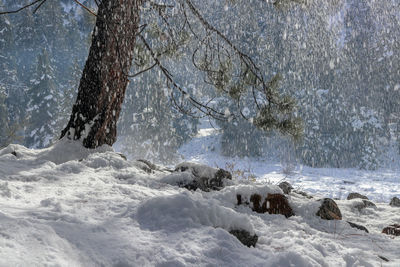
103,83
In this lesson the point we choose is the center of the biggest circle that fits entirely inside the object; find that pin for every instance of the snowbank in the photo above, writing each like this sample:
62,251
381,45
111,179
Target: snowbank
68,206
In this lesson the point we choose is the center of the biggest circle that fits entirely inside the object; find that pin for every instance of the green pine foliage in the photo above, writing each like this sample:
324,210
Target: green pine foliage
336,136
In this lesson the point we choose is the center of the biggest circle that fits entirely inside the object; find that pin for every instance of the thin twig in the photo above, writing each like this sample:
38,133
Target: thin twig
142,71
201,107
37,8
22,8
86,8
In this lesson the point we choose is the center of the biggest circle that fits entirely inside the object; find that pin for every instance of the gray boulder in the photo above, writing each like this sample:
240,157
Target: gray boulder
245,237
395,202
356,195
286,187
198,176
357,226
365,204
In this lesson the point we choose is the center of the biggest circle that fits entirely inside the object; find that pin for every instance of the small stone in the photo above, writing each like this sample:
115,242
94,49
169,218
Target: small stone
286,187
393,229
395,202
245,237
356,195
357,226
329,210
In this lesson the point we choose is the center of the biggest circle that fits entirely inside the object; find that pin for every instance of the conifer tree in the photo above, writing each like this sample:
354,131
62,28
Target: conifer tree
26,43
7,55
43,104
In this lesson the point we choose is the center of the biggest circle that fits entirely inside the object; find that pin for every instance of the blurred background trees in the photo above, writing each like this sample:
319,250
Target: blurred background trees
341,61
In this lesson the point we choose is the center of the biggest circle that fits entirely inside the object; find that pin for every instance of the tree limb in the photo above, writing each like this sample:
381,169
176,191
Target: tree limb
86,8
24,7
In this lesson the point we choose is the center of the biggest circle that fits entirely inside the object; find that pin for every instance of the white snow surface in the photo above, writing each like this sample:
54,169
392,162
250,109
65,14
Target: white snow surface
69,206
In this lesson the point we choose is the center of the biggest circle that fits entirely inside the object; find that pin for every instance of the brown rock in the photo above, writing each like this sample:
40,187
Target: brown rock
329,210
273,204
257,206
393,229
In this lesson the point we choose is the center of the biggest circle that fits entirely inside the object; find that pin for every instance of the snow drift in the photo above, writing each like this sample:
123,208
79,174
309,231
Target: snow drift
69,206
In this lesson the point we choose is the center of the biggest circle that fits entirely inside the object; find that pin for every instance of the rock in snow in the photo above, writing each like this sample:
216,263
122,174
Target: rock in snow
393,229
245,237
329,210
359,227
365,204
356,195
198,176
395,202
273,204
286,187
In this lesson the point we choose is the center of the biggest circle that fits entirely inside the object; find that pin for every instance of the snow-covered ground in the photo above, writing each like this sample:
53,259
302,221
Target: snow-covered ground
66,206
380,185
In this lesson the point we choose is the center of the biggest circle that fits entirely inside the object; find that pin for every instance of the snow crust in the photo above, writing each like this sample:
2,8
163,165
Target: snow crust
68,206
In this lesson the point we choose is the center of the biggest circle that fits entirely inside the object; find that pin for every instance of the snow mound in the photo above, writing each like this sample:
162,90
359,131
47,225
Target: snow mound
189,210
62,151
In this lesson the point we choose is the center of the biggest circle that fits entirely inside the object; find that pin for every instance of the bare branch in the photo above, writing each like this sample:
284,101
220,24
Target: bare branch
142,71
37,8
86,8
24,7
209,111
244,58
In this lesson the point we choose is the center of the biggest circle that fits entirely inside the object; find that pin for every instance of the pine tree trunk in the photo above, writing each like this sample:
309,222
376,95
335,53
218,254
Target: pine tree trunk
103,83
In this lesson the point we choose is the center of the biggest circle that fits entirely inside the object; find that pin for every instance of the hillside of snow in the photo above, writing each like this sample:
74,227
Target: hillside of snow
67,206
